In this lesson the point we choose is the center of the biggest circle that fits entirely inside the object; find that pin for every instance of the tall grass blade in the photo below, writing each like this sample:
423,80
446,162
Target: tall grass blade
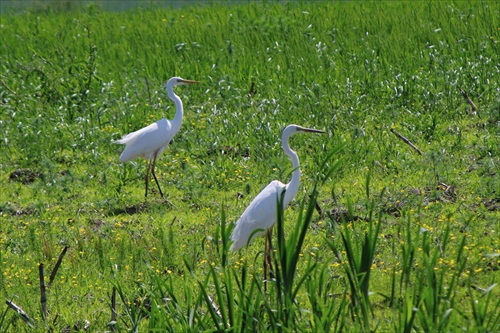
357,265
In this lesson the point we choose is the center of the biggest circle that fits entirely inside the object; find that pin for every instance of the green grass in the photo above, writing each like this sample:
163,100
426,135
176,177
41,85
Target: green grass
406,242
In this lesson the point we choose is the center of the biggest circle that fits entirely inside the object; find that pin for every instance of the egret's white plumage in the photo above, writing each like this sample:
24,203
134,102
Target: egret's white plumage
150,141
260,215
146,141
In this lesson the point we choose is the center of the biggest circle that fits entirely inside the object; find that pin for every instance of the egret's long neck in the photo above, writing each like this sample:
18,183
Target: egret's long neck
179,111
293,186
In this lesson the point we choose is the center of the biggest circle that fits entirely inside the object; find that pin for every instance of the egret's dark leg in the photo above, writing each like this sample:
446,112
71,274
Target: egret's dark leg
153,172
266,253
268,264
270,250
147,177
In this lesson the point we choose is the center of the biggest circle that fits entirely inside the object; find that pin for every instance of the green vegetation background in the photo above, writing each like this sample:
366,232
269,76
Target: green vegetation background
73,81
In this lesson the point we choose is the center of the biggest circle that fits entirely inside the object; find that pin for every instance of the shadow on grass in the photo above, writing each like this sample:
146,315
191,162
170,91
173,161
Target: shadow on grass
140,207
129,210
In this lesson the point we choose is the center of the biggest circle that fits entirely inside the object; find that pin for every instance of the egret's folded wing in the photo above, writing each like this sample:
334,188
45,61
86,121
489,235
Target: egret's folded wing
144,142
259,216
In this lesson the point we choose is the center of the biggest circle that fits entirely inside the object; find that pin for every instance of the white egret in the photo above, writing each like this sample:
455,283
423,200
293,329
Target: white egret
260,215
149,142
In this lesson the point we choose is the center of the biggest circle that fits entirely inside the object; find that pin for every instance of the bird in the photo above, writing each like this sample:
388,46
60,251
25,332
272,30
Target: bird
150,141
260,216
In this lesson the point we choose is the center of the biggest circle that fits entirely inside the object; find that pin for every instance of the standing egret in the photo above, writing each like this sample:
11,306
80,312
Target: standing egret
149,142
260,215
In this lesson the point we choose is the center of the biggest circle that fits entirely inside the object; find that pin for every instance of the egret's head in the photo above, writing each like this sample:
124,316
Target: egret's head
176,81
292,129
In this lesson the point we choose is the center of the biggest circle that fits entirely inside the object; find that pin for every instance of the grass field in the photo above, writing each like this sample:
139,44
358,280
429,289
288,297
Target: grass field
398,241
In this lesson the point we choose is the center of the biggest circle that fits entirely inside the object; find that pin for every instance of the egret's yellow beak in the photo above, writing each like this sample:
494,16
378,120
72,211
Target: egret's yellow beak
311,130
188,81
